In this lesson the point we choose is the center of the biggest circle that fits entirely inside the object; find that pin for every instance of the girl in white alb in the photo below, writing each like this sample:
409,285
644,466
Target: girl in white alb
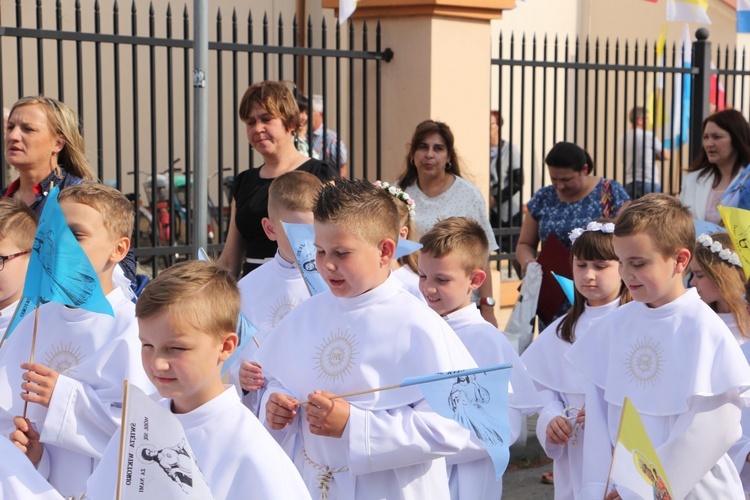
720,281
405,267
598,290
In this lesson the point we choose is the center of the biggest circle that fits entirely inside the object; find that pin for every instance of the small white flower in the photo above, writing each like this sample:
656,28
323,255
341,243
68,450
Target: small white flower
608,227
575,233
725,254
705,240
716,247
392,190
735,260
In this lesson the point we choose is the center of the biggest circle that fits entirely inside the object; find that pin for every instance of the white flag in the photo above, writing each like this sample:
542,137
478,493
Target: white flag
156,461
694,11
346,9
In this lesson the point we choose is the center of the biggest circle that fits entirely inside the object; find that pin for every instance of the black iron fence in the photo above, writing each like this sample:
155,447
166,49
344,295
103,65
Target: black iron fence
131,85
550,90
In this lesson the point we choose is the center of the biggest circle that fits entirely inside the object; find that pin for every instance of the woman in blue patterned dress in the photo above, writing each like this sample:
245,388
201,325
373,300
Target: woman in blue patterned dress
574,198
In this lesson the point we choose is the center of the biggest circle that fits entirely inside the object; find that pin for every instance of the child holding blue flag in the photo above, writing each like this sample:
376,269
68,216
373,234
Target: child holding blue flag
598,291
270,291
187,318
670,354
81,356
17,227
451,266
365,333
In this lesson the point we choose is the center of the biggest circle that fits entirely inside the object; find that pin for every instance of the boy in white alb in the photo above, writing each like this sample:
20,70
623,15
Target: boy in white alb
17,229
367,332
81,358
187,318
451,266
275,288
671,355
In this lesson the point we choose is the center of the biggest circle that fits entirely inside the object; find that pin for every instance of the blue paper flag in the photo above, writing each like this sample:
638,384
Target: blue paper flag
705,227
302,239
478,400
246,331
59,270
406,247
567,285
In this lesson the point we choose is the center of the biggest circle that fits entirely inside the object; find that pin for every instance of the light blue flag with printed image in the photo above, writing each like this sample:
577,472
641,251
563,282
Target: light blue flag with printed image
59,270
302,239
478,400
567,285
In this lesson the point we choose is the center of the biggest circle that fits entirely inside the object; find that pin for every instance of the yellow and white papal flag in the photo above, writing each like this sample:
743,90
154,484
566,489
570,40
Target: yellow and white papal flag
635,464
693,11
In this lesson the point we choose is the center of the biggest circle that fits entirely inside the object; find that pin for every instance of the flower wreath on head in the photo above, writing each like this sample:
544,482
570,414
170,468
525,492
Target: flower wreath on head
716,247
400,194
607,227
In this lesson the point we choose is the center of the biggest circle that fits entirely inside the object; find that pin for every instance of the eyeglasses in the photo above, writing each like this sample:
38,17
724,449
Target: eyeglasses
3,258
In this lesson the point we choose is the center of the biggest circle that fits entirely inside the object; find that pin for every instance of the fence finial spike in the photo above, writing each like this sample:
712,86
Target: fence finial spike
151,8
169,9
218,14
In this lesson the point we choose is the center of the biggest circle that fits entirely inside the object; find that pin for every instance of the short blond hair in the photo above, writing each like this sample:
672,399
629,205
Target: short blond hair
197,294
276,98
459,236
18,223
664,218
362,208
63,121
115,208
293,191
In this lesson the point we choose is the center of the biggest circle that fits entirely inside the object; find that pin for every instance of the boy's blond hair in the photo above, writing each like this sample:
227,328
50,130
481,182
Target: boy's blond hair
115,208
364,209
459,236
197,294
17,223
664,218
293,191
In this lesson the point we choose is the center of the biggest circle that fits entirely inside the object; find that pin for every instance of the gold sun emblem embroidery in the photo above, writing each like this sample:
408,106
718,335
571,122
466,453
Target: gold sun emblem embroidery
280,310
644,362
63,357
336,356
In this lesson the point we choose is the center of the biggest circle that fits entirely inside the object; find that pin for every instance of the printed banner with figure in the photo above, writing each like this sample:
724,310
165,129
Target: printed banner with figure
737,222
635,464
302,238
478,400
156,461
59,270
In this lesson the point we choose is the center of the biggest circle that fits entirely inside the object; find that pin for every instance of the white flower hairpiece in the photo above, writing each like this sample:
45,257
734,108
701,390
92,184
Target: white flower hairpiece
398,193
607,227
717,248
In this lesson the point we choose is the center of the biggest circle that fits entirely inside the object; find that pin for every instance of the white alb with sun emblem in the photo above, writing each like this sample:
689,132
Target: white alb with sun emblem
94,353
683,370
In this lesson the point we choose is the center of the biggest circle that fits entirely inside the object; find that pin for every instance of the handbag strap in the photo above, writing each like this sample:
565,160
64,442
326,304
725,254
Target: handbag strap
608,205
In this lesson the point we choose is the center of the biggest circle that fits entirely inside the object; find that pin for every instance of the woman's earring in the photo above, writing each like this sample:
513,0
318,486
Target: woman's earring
411,162
448,166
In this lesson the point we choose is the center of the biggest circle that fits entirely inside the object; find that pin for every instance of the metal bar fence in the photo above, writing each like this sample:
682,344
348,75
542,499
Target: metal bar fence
562,92
140,141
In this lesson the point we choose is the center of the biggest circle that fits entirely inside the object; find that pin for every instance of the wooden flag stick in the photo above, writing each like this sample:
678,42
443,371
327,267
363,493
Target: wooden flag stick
257,344
122,438
33,346
349,394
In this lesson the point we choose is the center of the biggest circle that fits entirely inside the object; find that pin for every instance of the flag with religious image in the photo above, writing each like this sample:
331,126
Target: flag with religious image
635,464
737,222
156,461
477,399
302,239
59,270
